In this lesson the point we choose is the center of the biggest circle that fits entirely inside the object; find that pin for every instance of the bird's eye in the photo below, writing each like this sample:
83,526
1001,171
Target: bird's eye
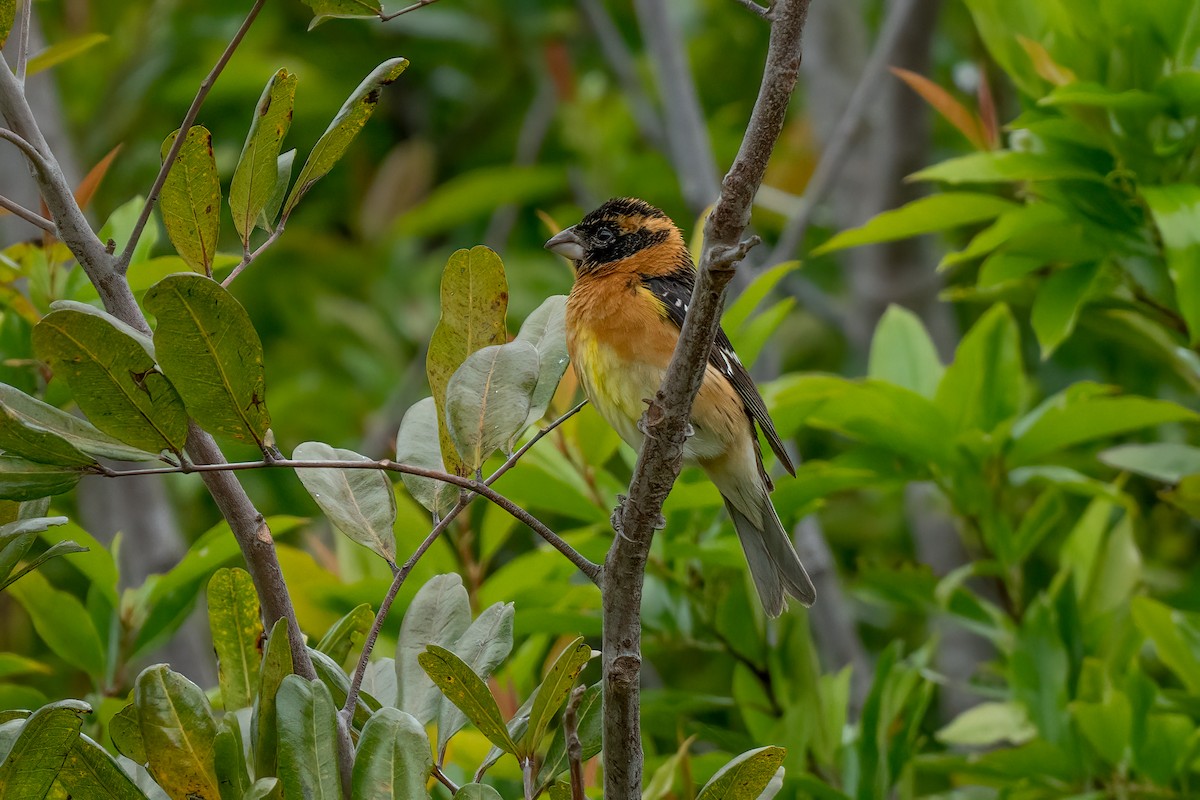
605,235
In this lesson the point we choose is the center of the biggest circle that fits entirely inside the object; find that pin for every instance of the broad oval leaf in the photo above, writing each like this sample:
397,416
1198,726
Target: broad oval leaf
34,443
257,173
417,445
40,749
191,199
178,731
90,773
482,647
113,379
264,726
488,400
308,760
234,617
439,614
342,9
746,776
546,330
208,347
24,480
350,631
80,433
1059,300
554,690
476,791
474,302
467,690
393,759
350,119
359,502
903,353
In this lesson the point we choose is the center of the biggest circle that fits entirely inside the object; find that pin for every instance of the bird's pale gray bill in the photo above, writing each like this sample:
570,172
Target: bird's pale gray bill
566,244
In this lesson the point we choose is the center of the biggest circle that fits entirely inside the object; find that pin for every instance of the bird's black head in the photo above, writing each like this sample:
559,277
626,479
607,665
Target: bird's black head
622,227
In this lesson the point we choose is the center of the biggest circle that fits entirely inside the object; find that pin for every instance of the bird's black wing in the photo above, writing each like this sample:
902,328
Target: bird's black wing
675,292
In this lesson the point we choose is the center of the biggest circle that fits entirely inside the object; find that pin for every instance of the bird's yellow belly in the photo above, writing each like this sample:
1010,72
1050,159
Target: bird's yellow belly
619,388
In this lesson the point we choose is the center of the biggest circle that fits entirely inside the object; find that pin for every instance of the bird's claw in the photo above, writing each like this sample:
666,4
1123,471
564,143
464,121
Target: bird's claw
617,526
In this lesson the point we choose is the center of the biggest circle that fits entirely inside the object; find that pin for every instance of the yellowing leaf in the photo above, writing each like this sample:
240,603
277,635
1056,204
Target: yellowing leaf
191,200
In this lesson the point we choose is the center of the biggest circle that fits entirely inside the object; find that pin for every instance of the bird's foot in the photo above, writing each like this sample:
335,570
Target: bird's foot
618,526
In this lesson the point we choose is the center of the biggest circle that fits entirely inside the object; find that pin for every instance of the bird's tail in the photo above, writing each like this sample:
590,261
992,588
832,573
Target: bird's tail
774,565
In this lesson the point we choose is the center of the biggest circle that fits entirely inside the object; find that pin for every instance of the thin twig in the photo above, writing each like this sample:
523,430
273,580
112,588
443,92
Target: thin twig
666,420
444,779
763,11
188,118
574,746
23,46
402,573
27,215
406,9
845,132
32,153
529,772
249,258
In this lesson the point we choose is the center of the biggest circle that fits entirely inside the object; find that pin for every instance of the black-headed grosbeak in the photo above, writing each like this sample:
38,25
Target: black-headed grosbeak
633,282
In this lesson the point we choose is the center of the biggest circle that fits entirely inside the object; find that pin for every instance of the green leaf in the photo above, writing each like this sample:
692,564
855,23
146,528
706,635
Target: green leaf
330,673
13,665
466,690
989,724
1163,461
999,166
62,622
24,480
1174,638
546,330
8,17
342,9
59,52
207,345
234,617
591,720
41,749
113,379
1058,303
746,776
417,445
475,195
986,383
54,551
752,337
191,200
1176,211
474,298
80,433
488,400
741,310
178,730
554,690
34,443
125,730
350,119
283,177
393,758
308,761
482,647
264,788
257,173
233,773
477,791
439,614
90,773
119,227
264,728
902,353
1107,726
1068,424
349,632
359,502
938,212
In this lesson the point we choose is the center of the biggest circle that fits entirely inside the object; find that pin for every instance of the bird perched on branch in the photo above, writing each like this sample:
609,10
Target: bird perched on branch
633,283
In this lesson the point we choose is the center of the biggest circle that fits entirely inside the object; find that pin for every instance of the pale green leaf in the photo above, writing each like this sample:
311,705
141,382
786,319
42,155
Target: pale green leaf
41,747
342,9
439,614
78,432
393,759
902,353
488,400
546,330
417,445
1176,211
359,502
308,740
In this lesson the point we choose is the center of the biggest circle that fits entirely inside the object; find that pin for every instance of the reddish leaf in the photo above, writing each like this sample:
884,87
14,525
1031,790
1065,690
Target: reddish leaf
987,111
1045,65
954,112
87,187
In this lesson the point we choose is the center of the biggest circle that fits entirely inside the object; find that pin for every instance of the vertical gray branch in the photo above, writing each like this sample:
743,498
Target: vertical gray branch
666,420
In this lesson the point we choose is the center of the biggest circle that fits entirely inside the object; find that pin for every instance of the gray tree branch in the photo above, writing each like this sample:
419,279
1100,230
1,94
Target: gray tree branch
666,420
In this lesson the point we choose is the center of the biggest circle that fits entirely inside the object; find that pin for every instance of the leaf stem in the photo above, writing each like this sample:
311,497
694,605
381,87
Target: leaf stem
249,257
419,4
205,87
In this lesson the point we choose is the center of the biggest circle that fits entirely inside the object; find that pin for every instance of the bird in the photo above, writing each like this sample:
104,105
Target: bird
633,282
